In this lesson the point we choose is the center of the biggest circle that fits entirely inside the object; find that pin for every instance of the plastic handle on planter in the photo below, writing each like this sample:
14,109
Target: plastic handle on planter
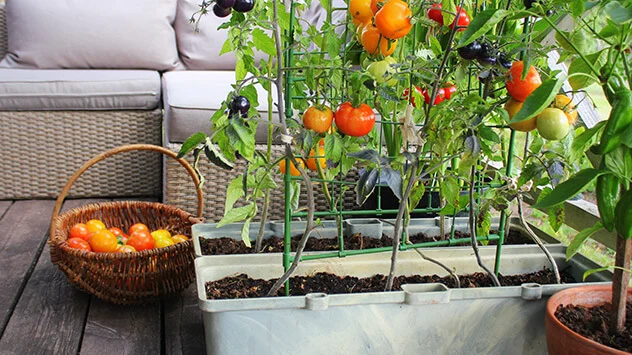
531,291
121,149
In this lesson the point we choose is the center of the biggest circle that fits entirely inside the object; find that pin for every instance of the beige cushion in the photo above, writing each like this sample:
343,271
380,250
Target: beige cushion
190,98
68,89
125,34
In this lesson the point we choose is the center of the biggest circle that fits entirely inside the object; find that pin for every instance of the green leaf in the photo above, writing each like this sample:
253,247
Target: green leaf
619,161
234,191
450,190
216,157
570,187
190,143
227,47
295,194
365,185
264,180
236,214
333,147
483,221
592,271
416,193
449,9
584,141
579,38
626,136
618,13
242,138
530,172
580,75
580,238
240,70
488,134
539,99
245,233
556,216
435,46
483,22
577,7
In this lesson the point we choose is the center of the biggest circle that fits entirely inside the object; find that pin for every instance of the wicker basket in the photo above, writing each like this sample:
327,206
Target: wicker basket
127,278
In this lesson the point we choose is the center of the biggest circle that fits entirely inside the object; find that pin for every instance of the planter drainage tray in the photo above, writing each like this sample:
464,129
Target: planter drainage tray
422,318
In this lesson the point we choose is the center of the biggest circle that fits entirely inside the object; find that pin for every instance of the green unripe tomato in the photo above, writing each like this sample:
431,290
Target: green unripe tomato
553,124
382,71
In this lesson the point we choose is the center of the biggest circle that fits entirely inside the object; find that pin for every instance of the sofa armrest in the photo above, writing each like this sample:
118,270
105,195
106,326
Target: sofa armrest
3,32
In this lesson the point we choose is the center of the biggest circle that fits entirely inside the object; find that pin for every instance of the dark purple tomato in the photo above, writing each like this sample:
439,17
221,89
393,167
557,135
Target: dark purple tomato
470,51
220,11
227,4
240,104
486,55
503,61
243,5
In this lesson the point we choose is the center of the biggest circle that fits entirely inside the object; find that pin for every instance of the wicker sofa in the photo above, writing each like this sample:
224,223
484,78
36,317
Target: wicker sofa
61,107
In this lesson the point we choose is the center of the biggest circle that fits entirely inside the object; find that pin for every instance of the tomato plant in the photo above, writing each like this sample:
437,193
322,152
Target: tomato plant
520,88
393,19
382,71
355,121
318,118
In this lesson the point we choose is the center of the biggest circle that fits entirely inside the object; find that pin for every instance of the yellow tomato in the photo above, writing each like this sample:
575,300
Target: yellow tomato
513,106
94,225
164,242
161,234
179,238
125,249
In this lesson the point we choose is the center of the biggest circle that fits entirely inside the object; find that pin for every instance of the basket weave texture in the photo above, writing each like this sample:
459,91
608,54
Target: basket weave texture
126,278
4,39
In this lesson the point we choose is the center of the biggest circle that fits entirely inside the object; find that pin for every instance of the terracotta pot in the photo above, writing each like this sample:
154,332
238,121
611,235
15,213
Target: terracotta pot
560,339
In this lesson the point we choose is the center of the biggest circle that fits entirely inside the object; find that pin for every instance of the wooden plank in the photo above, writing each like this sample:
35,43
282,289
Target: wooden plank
184,326
122,329
48,305
23,227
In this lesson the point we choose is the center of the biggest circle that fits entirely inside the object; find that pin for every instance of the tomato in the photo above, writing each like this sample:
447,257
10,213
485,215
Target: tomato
103,241
435,13
449,90
360,10
360,29
311,160
553,124
462,20
512,107
382,71
565,104
136,227
393,19
374,43
412,97
520,89
79,230
125,249
438,99
163,243
160,234
94,225
376,5
293,169
141,240
78,243
355,121
179,238
318,118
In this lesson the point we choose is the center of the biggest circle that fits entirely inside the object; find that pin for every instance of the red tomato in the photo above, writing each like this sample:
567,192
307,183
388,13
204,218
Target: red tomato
79,243
79,230
412,98
438,99
141,240
435,13
137,226
355,121
449,90
520,89
462,20
118,232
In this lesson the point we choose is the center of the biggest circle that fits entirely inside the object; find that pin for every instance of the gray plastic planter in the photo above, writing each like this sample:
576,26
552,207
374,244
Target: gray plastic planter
369,227
421,319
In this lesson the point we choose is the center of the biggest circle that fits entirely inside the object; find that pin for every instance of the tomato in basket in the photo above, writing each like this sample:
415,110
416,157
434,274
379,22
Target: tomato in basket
79,230
78,243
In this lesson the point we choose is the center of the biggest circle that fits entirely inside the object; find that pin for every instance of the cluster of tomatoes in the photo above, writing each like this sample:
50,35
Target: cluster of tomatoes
380,24
444,93
462,19
554,122
223,8
96,237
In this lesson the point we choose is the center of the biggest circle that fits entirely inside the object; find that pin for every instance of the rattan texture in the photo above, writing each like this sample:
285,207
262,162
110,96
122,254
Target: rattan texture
180,191
126,278
40,150
4,39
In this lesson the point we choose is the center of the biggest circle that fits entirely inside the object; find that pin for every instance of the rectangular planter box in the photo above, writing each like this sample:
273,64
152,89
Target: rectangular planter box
422,319
370,227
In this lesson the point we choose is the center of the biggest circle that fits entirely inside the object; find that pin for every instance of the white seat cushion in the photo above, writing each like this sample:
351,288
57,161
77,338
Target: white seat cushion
76,89
191,97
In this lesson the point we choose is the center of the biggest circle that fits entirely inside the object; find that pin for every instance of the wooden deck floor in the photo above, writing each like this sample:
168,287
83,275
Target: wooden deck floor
43,314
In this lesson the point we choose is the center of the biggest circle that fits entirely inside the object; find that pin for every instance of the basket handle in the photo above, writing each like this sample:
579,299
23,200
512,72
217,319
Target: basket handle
121,149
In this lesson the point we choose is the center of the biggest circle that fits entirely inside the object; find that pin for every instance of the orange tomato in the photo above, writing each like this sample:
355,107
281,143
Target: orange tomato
311,160
78,243
360,10
136,227
512,107
318,118
79,230
519,89
293,170
376,5
565,104
393,19
355,121
179,238
141,240
103,241
125,249
374,42
94,225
